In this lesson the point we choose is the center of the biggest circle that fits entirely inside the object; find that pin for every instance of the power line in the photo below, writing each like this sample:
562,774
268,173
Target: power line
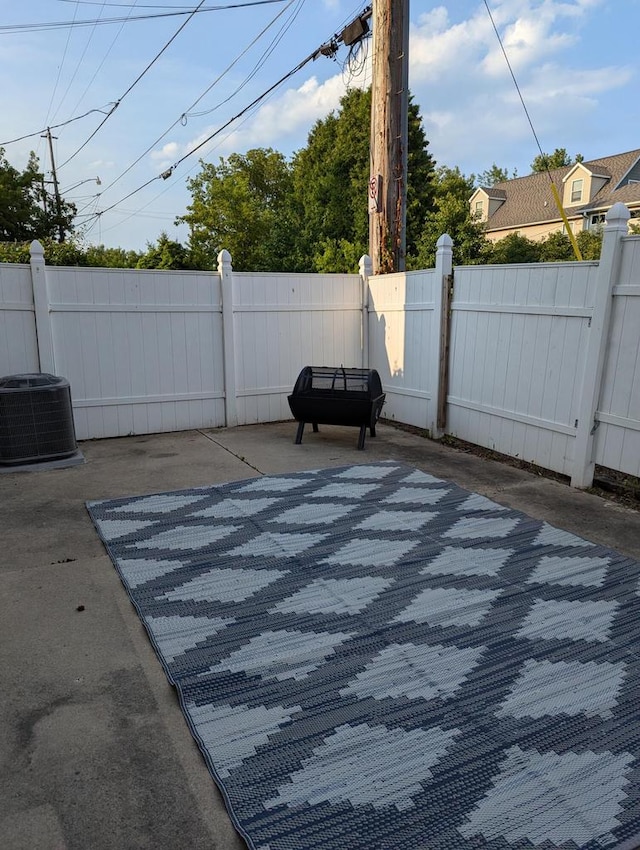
259,64
52,127
38,133
133,84
101,63
513,77
166,174
245,118
139,210
53,25
77,67
208,89
125,5
60,67
554,189
328,48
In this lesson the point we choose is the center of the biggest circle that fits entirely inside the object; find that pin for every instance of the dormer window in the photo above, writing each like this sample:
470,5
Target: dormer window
576,190
478,208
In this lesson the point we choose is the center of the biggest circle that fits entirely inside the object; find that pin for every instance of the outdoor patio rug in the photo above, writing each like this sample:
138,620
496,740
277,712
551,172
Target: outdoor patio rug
370,657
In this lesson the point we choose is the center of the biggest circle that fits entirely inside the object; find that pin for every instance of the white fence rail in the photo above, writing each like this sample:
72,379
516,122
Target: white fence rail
543,361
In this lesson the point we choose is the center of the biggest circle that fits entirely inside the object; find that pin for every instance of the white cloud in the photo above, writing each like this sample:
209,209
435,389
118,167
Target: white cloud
471,110
550,82
529,31
282,117
439,48
297,108
526,41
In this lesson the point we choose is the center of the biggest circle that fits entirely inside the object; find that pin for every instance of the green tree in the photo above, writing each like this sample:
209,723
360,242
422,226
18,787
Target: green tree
26,209
451,215
307,215
557,159
494,175
111,258
56,253
70,253
421,180
331,176
337,255
514,248
556,246
14,252
590,243
243,205
165,254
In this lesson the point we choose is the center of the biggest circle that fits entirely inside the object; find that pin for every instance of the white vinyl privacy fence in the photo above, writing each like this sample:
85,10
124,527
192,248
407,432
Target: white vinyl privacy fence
149,351
540,362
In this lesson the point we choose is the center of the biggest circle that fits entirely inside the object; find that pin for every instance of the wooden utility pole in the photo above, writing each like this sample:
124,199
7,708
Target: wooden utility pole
389,136
56,188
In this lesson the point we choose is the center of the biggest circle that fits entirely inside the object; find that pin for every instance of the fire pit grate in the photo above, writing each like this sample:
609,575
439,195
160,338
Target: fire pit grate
328,395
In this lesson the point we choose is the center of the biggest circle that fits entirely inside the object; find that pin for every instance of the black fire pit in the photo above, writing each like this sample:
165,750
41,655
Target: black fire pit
325,395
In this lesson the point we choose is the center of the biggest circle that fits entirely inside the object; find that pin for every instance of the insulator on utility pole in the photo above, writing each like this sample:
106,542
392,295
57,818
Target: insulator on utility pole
389,135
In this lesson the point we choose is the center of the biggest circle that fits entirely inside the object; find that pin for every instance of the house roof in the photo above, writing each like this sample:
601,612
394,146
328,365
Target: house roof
529,200
492,192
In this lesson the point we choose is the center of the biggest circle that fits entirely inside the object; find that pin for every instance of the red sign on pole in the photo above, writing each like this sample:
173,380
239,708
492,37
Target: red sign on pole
375,191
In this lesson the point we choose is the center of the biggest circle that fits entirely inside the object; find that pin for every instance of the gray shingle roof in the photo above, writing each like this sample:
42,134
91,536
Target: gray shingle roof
529,200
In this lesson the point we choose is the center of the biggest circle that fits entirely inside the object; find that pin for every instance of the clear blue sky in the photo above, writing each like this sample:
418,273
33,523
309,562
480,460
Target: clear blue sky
576,61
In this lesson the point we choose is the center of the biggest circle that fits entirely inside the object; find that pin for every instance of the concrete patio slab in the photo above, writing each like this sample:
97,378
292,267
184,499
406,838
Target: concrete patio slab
94,751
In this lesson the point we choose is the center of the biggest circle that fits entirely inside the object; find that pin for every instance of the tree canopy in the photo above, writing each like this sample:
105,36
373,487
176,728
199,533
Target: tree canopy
556,247
557,159
494,175
26,209
243,204
310,213
331,176
451,214
165,254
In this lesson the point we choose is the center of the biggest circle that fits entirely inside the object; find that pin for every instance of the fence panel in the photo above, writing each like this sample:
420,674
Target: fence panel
402,324
144,350
18,340
518,337
284,322
141,349
617,442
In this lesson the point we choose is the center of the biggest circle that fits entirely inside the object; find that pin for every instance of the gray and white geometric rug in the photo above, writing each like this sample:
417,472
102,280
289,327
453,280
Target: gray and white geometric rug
371,658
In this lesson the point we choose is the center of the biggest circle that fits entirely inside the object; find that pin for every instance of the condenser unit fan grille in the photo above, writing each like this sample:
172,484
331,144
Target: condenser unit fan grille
36,419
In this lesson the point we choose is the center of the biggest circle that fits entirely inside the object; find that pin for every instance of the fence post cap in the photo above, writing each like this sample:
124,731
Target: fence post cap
36,249
365,266
445,241
618,215
224,258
